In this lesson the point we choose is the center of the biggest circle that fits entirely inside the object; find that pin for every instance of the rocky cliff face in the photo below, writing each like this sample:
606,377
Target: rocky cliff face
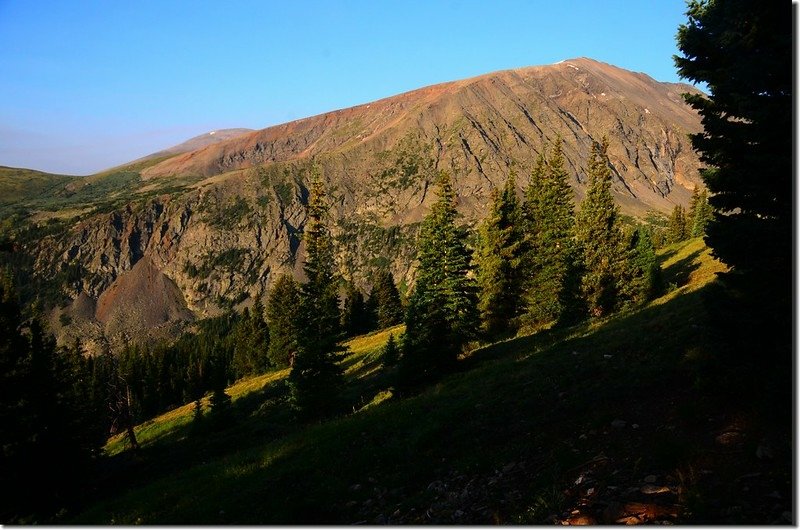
222,240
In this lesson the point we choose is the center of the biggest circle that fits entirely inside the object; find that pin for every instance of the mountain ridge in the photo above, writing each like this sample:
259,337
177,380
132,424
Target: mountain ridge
198,142
223,221
343,131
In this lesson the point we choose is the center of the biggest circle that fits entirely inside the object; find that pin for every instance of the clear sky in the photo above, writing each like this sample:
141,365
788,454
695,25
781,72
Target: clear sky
88,85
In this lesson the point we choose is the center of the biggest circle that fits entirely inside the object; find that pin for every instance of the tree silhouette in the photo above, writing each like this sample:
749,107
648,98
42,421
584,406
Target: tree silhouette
743,51
386,299
316,378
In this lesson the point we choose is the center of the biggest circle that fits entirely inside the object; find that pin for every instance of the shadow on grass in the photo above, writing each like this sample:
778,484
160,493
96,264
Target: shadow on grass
252,420
255,419
362,389
526,398
514,345
679,272
666,255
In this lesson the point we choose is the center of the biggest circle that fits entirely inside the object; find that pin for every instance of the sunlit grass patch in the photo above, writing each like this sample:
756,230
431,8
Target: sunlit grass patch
364,355
366,343
160,426
687,266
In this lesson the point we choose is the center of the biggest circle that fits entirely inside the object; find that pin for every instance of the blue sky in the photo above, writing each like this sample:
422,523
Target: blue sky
88,85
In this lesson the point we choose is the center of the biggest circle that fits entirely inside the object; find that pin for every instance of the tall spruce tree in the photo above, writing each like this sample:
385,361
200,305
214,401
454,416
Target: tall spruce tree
599,237
386,299
355,319
316,379
550,223
442,314
677,225
642,281
700,214
499,261
532,215
742,51
283,317
692,212
251,342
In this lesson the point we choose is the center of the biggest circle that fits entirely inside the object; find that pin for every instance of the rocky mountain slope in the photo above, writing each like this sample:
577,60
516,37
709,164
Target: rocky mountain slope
218,224
478,127
199,141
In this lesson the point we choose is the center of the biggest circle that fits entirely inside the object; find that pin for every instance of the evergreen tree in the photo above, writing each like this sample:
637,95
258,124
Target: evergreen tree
442,313
48,427
599,237
371,310
532,208
98,393
677,226
692,212
242,355
391,353
643,280
196,387
283,315
742,51
387,299
316,378
700,215
259,337
499,259
251,336
355,319
220,401
551,293
123,403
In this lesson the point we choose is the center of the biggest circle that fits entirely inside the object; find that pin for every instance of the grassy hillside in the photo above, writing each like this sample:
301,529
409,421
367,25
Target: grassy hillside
614,421
26,193
17,184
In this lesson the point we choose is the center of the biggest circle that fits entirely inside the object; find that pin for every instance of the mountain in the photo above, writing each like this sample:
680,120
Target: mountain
477,127
218,224
198,142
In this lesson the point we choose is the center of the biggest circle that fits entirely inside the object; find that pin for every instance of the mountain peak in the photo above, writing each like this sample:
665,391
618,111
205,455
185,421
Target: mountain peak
478,127
199,141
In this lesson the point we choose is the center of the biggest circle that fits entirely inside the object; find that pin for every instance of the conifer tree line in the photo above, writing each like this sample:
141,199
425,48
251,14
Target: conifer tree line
539,262
683,225
221,350
49,414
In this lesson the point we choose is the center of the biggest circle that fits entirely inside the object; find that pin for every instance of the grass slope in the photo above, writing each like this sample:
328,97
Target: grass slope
26,193
17,184
555,426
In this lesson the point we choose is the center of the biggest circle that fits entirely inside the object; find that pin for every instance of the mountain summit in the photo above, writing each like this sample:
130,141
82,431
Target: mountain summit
478,127
199,141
